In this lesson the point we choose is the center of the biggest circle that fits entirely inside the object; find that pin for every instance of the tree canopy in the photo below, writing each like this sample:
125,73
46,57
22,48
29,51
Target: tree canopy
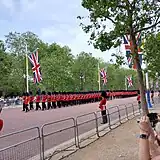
110,20
61,70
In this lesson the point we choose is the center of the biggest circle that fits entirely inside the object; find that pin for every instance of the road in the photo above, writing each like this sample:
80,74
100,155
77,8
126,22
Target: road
15,119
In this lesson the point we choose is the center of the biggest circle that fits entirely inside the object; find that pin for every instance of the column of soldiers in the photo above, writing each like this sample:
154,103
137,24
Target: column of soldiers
53,100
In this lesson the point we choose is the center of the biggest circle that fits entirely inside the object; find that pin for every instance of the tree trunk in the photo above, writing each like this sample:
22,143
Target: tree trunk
142,89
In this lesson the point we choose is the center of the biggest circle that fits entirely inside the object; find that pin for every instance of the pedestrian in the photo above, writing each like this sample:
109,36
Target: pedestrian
38,100
27,100
31,100
152,96
102,107
49,100
44,98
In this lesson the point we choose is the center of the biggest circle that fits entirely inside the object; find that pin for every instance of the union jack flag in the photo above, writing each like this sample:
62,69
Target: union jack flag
33,57
130,82
128,46
103,76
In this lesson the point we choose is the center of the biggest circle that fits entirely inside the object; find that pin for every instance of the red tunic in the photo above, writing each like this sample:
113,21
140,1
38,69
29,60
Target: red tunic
102,104
31,98
138,98
1,124
38,99
49,98
27,100
53,98
44,98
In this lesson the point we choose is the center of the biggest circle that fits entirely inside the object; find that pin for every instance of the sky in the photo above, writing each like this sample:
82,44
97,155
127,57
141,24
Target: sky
52,20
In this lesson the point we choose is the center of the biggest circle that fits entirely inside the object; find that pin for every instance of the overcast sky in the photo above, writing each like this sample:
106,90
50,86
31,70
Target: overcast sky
52,20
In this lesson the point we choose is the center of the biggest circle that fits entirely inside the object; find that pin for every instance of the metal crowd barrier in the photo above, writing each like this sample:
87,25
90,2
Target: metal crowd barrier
78,124
45,144
24,149
47,138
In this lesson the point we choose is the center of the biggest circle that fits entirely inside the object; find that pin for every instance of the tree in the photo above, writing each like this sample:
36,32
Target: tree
152,53
127,17
18,43
5,65
56,63
85,72
61,71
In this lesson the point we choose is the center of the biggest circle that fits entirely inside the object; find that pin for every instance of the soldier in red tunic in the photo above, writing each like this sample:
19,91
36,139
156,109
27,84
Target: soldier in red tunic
102,106
49,100
23,98
38,100
26,102
44,98
58,97
31,101
1,121
53,98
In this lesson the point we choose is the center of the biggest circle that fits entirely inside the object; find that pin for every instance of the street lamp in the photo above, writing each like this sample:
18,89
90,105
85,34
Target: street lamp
81,80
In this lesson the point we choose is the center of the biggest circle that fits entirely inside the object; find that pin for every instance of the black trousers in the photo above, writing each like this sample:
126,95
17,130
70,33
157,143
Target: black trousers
38,106
43,105
54,105
31,105
104,117
26,108
59,104
49,105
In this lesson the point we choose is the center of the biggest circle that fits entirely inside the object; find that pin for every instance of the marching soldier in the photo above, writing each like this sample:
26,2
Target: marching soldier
38,100
31,101
53,98
26,102
62,97
44,98
58,100
23,98
1,121
49,100
67,99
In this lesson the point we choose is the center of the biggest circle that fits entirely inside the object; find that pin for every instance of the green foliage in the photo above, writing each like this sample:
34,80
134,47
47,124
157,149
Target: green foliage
16,42
125,17
152,54
61,71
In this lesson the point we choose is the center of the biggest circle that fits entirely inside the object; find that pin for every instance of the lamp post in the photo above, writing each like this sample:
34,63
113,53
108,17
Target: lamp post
81,80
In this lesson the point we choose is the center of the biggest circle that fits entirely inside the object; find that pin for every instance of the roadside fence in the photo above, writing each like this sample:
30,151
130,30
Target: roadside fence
47,140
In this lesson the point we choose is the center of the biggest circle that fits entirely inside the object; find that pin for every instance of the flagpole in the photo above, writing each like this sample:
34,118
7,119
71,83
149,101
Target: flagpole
27,86
99,78
147,88
126,83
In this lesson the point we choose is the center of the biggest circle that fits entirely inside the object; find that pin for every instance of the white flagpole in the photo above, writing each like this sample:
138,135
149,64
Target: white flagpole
99,78
27,86
126,83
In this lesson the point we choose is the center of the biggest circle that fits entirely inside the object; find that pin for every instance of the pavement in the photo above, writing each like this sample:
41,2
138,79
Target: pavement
119,144
15,120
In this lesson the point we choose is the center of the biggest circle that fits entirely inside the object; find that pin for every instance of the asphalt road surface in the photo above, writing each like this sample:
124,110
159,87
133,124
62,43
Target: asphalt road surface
15,120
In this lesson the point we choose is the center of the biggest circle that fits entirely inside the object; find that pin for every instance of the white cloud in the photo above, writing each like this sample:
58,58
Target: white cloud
54,21
8,3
